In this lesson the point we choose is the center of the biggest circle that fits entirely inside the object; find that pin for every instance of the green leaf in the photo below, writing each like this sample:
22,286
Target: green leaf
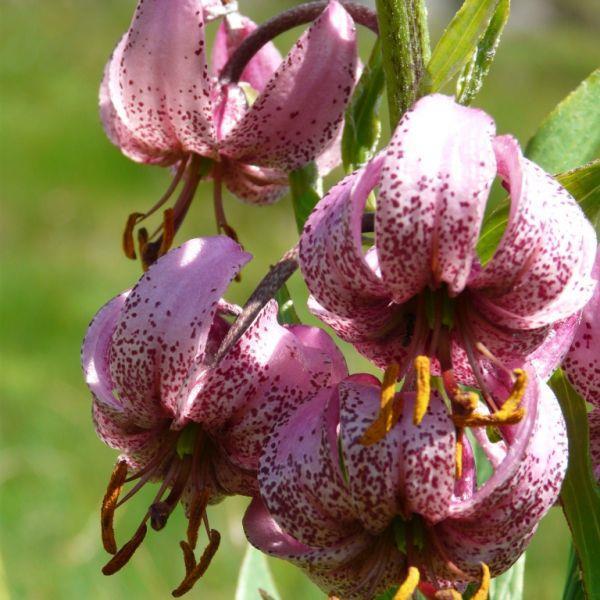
573,586
582,183
458,43
287,310
580,494
362,129
255,581
509,585
306,188
570,136
475,71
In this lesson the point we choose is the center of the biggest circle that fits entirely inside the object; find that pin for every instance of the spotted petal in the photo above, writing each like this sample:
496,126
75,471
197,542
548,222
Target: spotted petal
437,173
540,272
303,104
159,341
158,80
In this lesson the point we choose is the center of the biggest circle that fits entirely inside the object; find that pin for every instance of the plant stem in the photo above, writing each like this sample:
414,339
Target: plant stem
405,45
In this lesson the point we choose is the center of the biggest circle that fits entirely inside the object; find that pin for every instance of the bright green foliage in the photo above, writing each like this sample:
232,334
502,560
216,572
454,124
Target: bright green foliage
570,136
573,585
362,130
475,71
306,189
584,185
255,580
458,43
580,494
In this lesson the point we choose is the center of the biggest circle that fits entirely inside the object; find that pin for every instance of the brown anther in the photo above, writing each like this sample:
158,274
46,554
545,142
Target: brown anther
143,246
128,245
448,594
459,453
409,585
196,573
390,408
121,558
109,505
197,511
484,587
168,234
229,231
161,511
510,413
189,559
159,515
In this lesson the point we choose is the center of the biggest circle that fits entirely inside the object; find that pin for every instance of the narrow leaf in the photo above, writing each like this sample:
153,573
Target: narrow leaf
255,580
362,128
509,585
570,136
583,184
306,188
458,43
580,494
475,71
573,586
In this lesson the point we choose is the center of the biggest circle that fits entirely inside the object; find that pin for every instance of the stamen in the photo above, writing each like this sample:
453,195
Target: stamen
459,453
109,505
189,559
222,224
390,408
409,585
509,414
483,350
161,511
168,232
423,383
196,573
197,511
143,246
128,245
449,594
484,587
121,558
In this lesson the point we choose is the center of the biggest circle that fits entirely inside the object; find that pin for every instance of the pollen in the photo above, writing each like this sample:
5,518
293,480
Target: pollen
109,505
459,453
423,371
409,585
484,587
390,408
128,245
511,412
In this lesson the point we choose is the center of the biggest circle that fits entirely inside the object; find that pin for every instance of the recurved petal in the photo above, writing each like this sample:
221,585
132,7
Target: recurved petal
300,478
437,173
272,370
495,525
302,106
159,81
541,270
159,342
255,185
412,470
334,265
231,33
582,363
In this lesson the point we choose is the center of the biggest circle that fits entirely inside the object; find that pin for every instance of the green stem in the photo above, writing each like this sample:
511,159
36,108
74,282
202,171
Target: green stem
405,46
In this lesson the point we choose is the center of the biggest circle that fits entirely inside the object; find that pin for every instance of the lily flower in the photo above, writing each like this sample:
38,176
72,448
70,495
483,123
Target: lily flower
361,519
419,301
194,427
582,365
162,104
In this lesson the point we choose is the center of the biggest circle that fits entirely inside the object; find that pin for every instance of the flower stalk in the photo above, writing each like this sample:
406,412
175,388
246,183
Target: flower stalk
405,47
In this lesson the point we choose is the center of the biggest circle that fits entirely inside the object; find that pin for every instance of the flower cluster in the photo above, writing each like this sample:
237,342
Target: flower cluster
364,484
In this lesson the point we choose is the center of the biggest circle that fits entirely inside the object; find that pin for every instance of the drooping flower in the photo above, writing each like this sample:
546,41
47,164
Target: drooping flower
420,297
582,365
161,104
178,419
360,519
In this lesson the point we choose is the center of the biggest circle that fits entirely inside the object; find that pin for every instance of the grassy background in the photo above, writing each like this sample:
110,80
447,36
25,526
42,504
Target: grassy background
65,195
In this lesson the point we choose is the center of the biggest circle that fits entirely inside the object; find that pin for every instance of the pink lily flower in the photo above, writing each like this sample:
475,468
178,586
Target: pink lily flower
178,419
582,365
420,296
162,104
360,519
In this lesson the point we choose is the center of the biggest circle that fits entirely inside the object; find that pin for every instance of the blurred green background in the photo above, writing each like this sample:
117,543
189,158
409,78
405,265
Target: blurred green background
65,194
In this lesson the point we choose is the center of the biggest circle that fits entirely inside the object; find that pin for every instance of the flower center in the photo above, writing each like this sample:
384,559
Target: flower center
182,462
